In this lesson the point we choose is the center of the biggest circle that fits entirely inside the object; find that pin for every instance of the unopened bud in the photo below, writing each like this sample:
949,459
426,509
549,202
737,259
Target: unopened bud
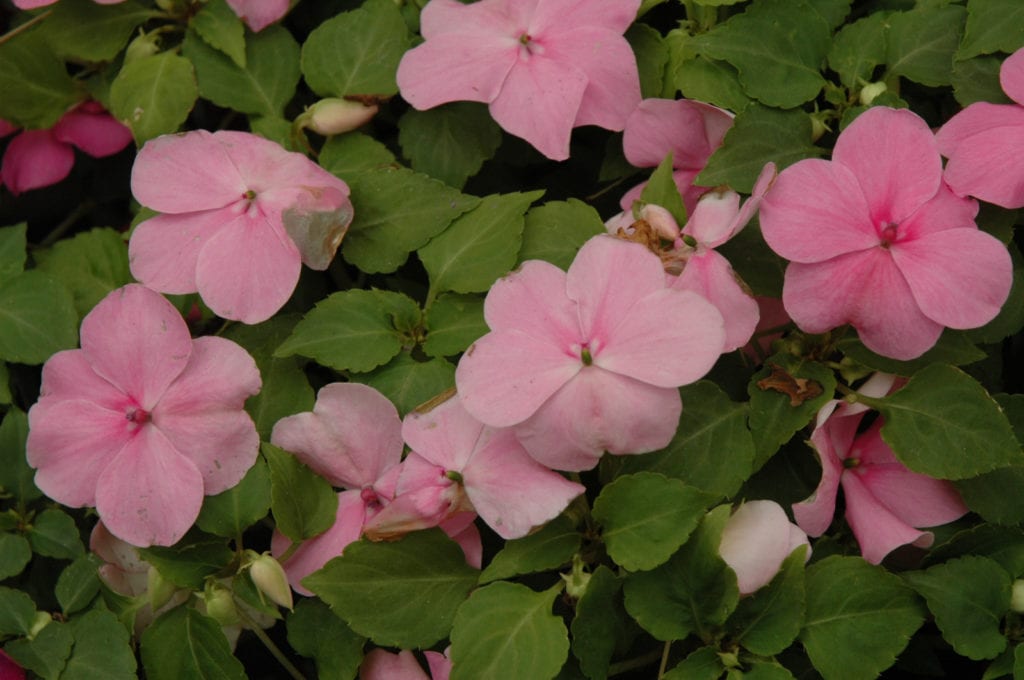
577,580
144,45
818,126
334,116
269,578
1017,596
220,605
41,620
661,221
158,589
870,91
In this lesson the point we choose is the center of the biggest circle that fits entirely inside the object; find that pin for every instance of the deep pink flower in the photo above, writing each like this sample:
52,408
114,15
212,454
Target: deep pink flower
985,142
9,670
39,158
258,14
885,502
143,421
352,438
382,665
689,129
543,66
756,540
589,360
241,216
878,241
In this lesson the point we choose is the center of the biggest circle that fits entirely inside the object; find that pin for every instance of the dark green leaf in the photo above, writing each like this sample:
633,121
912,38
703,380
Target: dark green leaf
453,323
303,502
922,43
15,554
712,81
92,32
858,48
15,474
556,230
12,251
953,347
219,26
1005,545
46,654
78,584
549,548
651,57
977,80
314,632
185,644
859,618
645,517
507,630
407,382
101,650
231,512
598,624
992,26
703,664
661,190
449,142
90,264
767,621
37,318
53,533
345,155
36,85
400,594
190,561
986,494
154,95
17,612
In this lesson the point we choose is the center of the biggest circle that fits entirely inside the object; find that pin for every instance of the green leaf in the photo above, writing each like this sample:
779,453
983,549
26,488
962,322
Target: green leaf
15,554
986,494
977,80
692,592
78,584
17,612
83,30
992,26
36,85
778,67
449,142
263,86
90,264
478,247
544,550
454,322
46,654
768,621
968,597
859,618
12,251
185,644
507,630
53,533
703,664
345,155
101,650
556,230
858,48
407,382
286,390
651,57
712,449
759,135
190,561
314,632
598,624
350,330
645,517
774,418
154,95
37,318
661,190
953,347
356,52
5,388
275,129
397,211
231,512
219,26
944,424
303,502
16,477
922,43
1010,318
1005,545
399,594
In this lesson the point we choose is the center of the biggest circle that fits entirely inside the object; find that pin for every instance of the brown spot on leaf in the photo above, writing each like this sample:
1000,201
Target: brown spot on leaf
798,390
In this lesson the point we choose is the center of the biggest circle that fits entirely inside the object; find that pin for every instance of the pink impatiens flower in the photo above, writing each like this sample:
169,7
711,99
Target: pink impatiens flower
258,14
241,216
985,143
878,241
39,158
756,540
143,421
885,502
9,670
689,129
589,360
382,665
543,66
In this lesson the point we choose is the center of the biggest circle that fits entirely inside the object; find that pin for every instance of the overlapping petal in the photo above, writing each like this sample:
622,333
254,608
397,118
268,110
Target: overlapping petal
69,375
163,250
186,173
90,128
711,276
36,159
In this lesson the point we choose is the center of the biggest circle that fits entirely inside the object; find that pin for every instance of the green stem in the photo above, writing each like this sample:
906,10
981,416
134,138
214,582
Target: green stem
634,663
289,552
664,659
25,26
83,209
267,642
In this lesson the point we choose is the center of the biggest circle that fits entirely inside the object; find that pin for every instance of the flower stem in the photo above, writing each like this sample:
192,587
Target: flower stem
78,213
634,663
269,644
664,658
25,26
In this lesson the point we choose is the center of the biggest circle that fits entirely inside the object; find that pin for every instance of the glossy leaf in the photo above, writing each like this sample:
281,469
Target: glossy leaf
449,142
153,95
548,548
409,383
314,632
37,318
304,504
186,644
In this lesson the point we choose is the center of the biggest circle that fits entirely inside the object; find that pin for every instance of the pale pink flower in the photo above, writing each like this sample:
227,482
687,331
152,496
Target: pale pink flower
689,129
143,421
258,14
352,438
985,143
543,66
886,503
241,216
756,540
382,665
461,457
39,158
878,241
591,359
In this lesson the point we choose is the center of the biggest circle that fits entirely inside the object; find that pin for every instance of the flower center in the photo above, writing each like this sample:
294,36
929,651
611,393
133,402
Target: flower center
454,475
851,463
136,416
528,46
890,233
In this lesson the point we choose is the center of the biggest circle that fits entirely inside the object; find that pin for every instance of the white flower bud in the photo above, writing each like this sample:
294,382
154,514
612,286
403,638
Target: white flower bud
268,576
334,116
870,91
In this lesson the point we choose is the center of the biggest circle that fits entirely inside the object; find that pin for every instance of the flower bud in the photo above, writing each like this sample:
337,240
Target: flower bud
1017,596
41,620
870,91
756,540
144,45
577,580
333,116
818,126
220,604
661,221
158,589
268,576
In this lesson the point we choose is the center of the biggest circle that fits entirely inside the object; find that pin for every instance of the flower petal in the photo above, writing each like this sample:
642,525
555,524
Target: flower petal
754,543
149,494
986,166
555,15
138,341
877,530
35,159
1011,76
690,130
163,250
446,435
711,276
92,130
69,375
976,118
532,300
456,67
380,664
258,14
